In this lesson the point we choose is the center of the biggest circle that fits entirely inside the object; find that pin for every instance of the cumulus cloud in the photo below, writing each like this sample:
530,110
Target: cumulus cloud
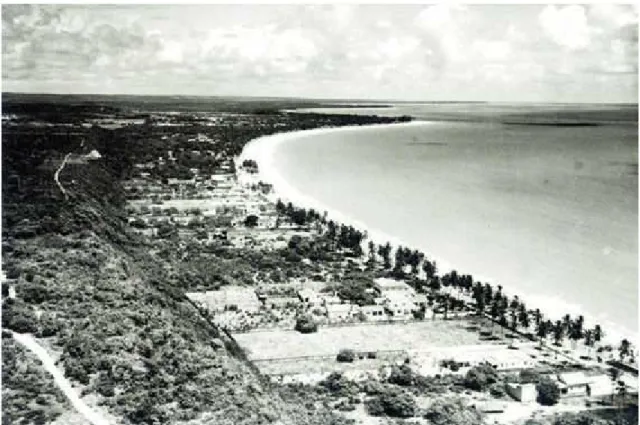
566,25
437,51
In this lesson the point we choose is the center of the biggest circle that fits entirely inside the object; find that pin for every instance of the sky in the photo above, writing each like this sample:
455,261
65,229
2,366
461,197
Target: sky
418,52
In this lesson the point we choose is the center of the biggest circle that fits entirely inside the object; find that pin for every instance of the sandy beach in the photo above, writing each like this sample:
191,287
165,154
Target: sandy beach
262,151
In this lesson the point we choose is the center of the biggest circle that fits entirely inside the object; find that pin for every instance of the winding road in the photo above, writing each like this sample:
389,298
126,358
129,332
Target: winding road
49,364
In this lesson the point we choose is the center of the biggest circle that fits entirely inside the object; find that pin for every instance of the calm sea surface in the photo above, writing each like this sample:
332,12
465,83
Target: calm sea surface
548,212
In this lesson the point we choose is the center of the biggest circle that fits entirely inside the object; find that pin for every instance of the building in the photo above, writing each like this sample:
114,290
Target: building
525,393
374,313
600,385
228,298
276,302
330,299
573,384
399,304
384,285
341,312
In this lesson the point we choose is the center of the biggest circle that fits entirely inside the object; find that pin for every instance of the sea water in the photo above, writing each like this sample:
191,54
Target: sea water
548,212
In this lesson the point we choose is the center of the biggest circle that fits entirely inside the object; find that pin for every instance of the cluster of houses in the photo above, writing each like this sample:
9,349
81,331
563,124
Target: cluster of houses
394,300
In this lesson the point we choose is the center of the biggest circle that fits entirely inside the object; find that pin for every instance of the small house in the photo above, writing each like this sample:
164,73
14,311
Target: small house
341,312
525,393
573,384
374,312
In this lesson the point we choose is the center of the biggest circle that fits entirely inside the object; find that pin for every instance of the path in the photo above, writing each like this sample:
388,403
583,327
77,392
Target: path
27,341
57,175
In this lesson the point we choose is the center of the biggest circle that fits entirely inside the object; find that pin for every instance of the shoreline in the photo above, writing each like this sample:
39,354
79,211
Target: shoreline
262,150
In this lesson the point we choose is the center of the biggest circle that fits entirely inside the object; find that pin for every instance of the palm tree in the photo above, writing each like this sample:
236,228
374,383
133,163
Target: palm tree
503,322
614,374
514,320
566,322
625,349
558,333
537,316
372,252
494,313
588,340
542,330
523,317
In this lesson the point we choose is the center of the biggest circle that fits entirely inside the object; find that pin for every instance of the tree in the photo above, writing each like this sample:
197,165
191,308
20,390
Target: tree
452,411
346,356
392,402
305,324
548,392
251,220
624,349
558,332
401,375
478,378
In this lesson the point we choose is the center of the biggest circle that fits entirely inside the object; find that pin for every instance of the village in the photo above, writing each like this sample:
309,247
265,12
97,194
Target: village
296,324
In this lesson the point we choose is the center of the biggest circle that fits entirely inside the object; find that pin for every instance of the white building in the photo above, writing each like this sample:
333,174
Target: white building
229,297
399,304
341,312
374,313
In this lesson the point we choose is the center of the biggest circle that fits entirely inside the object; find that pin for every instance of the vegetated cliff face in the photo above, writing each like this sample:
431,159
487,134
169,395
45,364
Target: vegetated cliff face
88,287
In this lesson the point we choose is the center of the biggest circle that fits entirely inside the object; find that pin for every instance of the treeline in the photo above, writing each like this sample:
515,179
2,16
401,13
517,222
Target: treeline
405,263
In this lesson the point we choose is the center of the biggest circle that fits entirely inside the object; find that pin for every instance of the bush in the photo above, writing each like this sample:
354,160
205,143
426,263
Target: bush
401,375
480,377
393,403
346,356
548,392
306,325
449,411
251,220
19,317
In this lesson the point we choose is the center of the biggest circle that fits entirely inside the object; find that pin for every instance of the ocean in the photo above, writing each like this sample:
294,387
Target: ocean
549,212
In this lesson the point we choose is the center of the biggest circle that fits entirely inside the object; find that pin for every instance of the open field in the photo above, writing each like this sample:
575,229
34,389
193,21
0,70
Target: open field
328,341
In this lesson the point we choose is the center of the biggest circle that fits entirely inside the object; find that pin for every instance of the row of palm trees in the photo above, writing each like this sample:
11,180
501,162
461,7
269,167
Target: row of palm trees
487,300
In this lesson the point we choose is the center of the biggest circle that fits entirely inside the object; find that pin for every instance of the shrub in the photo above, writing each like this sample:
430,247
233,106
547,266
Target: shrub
447,411
346,356
480,377
251,220
401,375
548,392
393,403
305,324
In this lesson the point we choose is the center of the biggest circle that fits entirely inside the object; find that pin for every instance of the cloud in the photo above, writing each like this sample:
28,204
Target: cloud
566,26
438,51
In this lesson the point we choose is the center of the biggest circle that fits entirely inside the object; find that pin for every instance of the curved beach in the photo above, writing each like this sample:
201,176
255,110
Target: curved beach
263,149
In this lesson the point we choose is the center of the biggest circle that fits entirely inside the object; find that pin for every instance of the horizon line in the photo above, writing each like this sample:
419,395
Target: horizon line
317,99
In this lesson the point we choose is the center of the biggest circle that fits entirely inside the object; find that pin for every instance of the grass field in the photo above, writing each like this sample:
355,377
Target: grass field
328,341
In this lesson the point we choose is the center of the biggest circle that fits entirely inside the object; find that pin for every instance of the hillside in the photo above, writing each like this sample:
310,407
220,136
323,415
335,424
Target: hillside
91,292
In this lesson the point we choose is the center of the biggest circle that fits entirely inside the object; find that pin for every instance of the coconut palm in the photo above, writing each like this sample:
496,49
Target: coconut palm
614,374
558,332
598,334
589,340
624,349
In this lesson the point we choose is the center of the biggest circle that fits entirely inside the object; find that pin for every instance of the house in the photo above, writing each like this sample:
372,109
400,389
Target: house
228,298
329,299
309,297
525,393
277,302
399,304
384,285
374,312
341,312
600,385
573,384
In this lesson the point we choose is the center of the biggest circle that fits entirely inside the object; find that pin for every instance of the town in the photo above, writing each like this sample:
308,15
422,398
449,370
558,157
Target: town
369,330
